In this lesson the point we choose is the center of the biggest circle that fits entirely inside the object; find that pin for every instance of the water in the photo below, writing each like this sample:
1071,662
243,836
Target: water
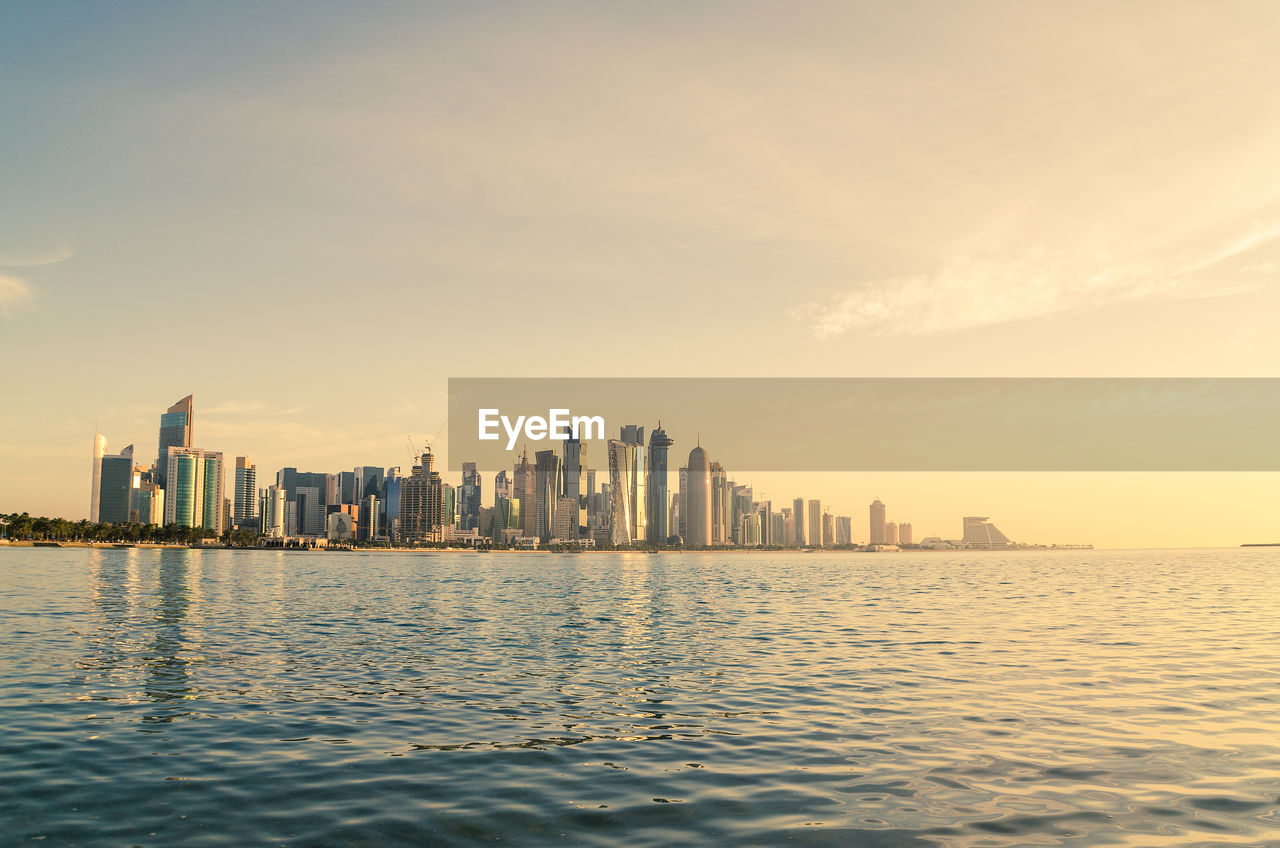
225,698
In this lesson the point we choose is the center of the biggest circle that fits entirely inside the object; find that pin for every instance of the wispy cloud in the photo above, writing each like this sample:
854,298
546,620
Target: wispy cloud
969,291
52,256
13,292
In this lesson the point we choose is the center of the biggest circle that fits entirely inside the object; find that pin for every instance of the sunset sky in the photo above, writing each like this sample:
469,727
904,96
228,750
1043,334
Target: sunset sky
311,215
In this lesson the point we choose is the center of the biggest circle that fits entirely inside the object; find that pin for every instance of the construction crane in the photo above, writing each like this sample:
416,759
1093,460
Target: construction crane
430,444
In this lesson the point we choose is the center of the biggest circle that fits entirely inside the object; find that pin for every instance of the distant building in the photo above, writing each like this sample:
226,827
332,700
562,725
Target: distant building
368,481
890,533
813,524
341,526
628,523
546,493
95,479
177,426
421,510
844,530
115,487
566,519
828,530
274,510
797,510
720,505
522,488
657,529
469,498
876,528
308,511
904,533
146,501
194,493
698,499
246,490
979,532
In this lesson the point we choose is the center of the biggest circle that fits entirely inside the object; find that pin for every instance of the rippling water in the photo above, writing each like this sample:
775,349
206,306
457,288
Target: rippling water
1036,698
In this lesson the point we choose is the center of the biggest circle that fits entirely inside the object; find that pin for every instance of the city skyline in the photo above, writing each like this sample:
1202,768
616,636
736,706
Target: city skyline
996,189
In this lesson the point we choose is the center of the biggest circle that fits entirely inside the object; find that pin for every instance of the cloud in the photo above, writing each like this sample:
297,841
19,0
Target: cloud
967,292
60,253
13,292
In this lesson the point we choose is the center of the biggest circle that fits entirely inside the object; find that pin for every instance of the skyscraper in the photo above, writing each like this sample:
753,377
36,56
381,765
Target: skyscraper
501,486
522,488
719,505
246,491
115,487
657,530
877,523
547,487
797,510
95,479
421,510
890,533
813,524
177,426
904,533
193,497
469,498
699,499
628,523
571,469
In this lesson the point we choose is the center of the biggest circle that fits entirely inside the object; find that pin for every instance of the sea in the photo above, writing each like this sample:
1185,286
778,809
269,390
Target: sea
242,698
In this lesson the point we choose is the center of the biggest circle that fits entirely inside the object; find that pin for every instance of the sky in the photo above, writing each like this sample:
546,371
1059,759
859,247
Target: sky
312,215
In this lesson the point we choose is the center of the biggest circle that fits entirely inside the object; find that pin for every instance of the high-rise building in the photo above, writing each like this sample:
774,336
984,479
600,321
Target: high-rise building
828,530
506,518
146,498
571,469
115,487
720,509
368,481
177,425
501,486
890,533
699,499
877,523
274,510
194,494
469,498
904,533
844,530
657,531
246,491
682,515
547,487
309,510
813,524
95,479
522,488
566,519
421,510
369,525
797,509
628,524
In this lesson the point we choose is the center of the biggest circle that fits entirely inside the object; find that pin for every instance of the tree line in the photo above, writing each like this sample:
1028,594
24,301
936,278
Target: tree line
23,528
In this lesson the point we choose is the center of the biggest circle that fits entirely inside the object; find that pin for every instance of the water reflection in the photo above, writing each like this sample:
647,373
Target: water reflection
167,678
141,605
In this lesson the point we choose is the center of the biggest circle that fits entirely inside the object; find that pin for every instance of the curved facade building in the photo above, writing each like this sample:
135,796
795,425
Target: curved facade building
699,499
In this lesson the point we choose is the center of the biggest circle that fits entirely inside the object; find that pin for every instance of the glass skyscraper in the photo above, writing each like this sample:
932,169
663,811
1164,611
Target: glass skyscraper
657,531
175,432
